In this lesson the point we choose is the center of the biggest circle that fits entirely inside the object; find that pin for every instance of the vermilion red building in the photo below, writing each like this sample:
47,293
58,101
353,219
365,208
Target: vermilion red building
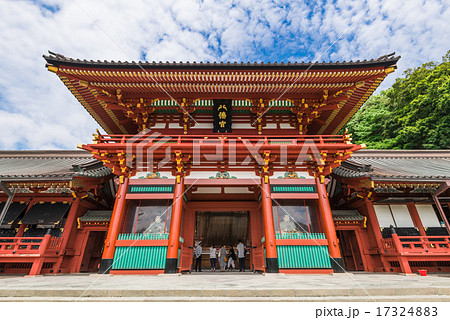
216,152
49,203
396,204
257,118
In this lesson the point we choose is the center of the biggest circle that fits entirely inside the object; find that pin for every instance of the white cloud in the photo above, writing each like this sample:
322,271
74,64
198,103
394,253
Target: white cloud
37,111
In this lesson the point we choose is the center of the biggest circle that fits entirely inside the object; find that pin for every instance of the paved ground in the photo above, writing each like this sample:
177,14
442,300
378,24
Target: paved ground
209,286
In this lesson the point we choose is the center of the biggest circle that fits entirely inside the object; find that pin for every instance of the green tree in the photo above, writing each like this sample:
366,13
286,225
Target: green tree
413,114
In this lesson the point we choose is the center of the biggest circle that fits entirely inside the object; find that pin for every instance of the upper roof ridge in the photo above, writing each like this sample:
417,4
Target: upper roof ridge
56,58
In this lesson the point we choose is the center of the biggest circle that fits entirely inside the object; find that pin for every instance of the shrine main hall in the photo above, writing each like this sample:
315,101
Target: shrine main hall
213,153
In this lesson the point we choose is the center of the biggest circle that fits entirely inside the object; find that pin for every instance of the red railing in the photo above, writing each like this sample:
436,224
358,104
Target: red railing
29,245
388,245
125,152
417,244
54,244
188,140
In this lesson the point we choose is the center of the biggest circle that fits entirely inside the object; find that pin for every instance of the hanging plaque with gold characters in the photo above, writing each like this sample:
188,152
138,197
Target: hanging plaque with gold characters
222,115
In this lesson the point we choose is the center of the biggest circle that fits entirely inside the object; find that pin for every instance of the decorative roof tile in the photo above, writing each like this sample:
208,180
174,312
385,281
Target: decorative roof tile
45,165
397,165
347,215
94,83
97,216
57,59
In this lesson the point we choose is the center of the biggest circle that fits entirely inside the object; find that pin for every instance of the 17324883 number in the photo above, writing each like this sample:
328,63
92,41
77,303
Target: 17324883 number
404,312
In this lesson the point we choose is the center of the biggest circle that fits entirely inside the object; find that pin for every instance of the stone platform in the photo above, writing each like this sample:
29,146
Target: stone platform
229,286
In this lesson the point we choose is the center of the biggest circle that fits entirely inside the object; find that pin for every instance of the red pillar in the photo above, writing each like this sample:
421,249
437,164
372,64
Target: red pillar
329,229
269,227
70,223
22,227
21,230
373,221
403,261
441,211
416,218
39,262
68,231
175,225
114,227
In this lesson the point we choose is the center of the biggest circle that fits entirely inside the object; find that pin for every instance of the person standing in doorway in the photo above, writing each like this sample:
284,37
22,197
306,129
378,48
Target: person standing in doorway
212,257
198,257
222,258
241,255
231,258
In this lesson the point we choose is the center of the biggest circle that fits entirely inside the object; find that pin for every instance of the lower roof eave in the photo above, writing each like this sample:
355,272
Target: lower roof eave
35,179
407,180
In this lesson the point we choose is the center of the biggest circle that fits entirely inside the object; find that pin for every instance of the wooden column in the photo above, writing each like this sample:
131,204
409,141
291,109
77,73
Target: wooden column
329,229
175,225
403,261
39,261
68,231
21,230
441,212
70,223
22,227
373,221
416,218
269,227
114,227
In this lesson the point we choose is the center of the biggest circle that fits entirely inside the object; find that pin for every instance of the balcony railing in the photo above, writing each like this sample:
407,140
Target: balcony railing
29,245
417,244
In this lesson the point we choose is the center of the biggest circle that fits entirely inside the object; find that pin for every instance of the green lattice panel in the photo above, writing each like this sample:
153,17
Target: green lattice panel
293,189
303,257
299,235
140,258
143,236
150,189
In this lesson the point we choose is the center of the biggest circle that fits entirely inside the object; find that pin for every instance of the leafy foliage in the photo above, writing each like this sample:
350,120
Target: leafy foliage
413,114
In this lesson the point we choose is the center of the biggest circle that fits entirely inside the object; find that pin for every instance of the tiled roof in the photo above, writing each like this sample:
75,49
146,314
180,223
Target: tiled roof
96,84
57,59
97,215
397,165
348,215
45,165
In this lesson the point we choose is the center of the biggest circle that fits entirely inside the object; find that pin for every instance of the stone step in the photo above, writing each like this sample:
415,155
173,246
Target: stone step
410,298
226,293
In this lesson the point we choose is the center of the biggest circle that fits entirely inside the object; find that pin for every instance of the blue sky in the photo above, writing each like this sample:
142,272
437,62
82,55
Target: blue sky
38,112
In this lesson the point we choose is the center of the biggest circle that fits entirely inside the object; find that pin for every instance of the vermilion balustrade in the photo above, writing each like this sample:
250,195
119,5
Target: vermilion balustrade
29,245
417,244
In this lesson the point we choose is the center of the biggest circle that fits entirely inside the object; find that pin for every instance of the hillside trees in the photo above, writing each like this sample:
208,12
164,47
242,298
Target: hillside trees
413,114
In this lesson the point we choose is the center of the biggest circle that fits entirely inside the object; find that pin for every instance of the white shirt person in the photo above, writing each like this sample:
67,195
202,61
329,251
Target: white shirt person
212,257
241,256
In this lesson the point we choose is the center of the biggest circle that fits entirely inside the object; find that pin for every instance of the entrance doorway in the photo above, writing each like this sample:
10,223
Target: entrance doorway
220,228
223,227
222,223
